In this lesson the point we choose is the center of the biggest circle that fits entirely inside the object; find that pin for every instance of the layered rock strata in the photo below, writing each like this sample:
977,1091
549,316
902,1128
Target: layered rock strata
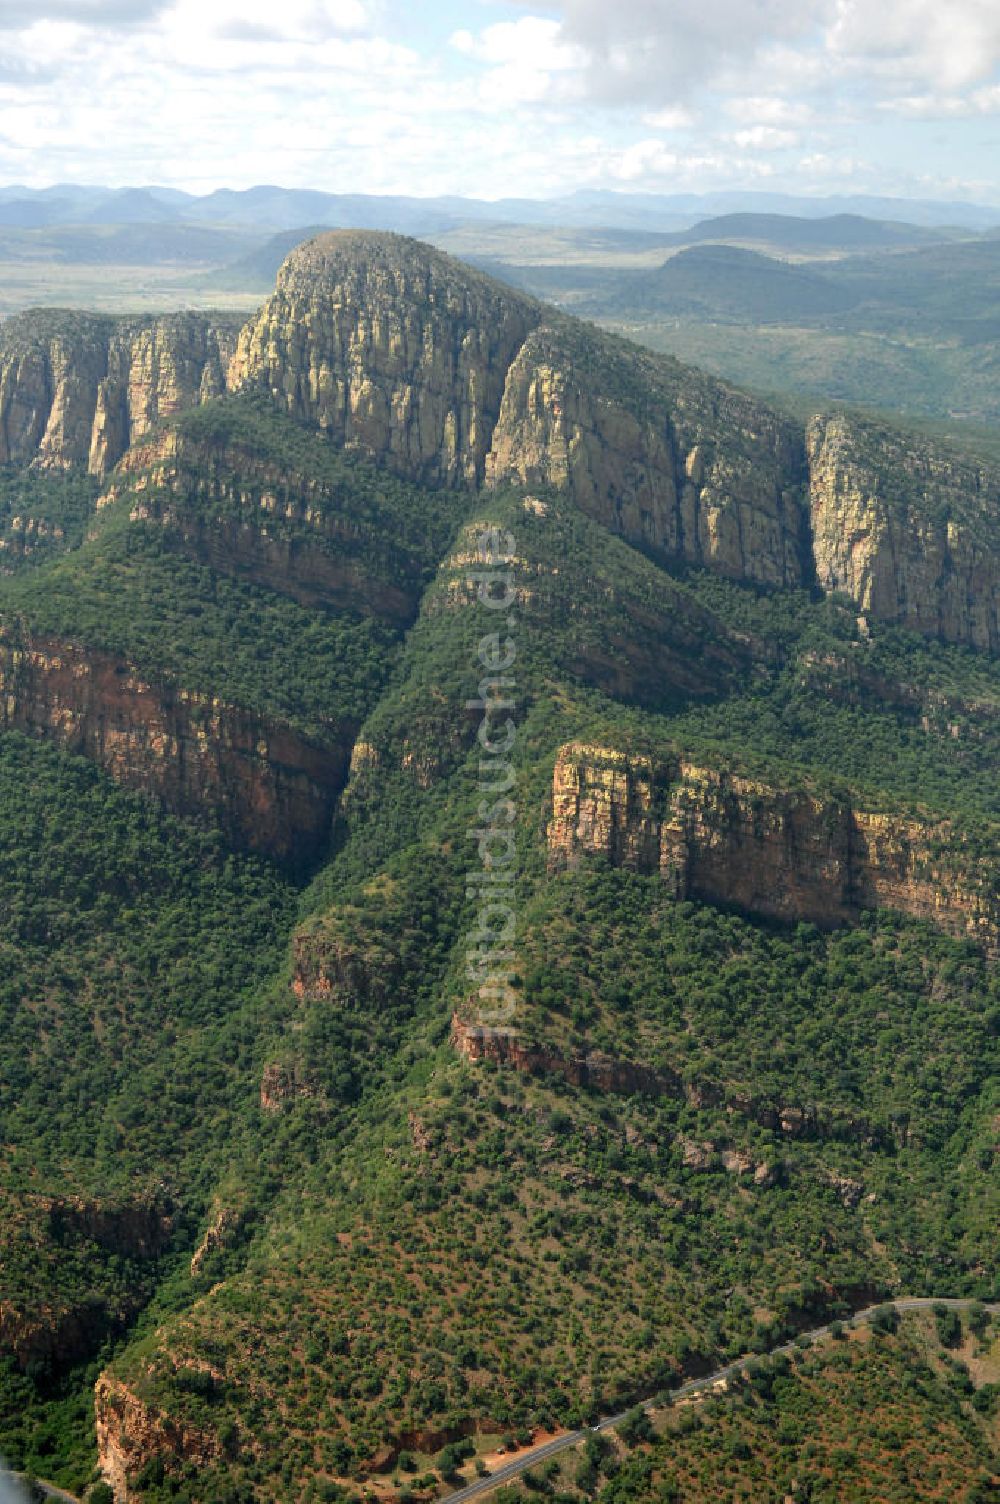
391,348
909,532
246,516
269,788
786,854
676,463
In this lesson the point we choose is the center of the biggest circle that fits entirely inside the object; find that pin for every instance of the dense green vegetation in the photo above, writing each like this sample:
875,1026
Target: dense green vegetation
134,949
131,939
398,529
133,588
464,1241
354,1241
41,516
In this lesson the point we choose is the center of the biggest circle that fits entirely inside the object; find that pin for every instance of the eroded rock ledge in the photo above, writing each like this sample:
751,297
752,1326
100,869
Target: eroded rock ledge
130,1432
245,516
605,1073
786,854
269,788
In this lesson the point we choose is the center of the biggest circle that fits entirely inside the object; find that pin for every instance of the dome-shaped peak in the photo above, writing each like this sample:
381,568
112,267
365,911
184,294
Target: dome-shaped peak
333,250
391,347
359,261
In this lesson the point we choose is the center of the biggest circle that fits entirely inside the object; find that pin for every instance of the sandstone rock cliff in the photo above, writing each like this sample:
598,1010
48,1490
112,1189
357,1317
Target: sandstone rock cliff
391,348
671,460
131,1432
244,515
909,532
452,379
787,854
77,389
270,789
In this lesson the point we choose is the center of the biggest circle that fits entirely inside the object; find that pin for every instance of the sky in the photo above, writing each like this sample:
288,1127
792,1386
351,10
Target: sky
495,98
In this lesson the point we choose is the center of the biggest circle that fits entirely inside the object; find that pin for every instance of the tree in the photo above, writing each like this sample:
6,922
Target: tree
636,1427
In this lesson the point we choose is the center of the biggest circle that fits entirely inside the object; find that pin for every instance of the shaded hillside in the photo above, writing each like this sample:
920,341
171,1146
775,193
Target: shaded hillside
736,285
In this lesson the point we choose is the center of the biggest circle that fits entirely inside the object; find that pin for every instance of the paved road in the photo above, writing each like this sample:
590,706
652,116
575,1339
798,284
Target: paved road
521,1464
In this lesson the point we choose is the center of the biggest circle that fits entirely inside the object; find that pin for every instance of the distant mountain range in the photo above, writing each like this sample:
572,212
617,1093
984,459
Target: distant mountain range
273,208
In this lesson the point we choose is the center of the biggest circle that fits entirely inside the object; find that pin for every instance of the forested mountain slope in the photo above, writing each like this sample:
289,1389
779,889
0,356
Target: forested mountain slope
282,1184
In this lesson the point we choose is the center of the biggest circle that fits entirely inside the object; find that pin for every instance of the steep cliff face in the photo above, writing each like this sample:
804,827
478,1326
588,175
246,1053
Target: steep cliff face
131,1432
391,348
74,1234
452,379
784,854
270,789
909,532
246,516
669,459
78,389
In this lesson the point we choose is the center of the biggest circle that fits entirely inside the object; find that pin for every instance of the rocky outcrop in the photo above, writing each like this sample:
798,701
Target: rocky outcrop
268,787
244,515
223,1232
788,854
284,1082
595,1069
340,961
131,1432
337,961
674,462
389,347
77,389
604,1073
451,378
908,531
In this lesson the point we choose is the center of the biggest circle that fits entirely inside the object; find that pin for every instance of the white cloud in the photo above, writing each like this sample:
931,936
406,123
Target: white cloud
768,109
527,61
651,51
825,168
365,95
15,15
984,101
671,118
951,45
765,138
